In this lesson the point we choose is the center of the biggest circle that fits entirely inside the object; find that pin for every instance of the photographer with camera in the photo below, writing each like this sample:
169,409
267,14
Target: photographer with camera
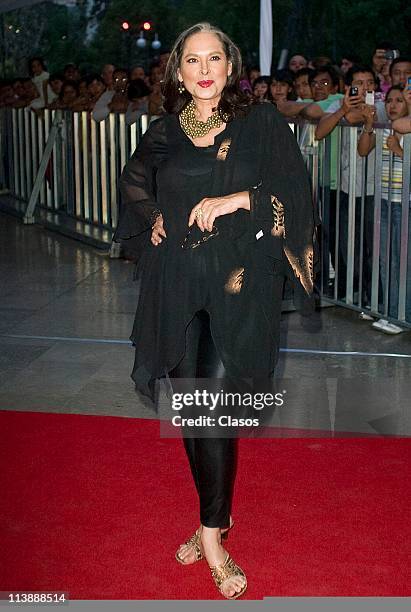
382,56
378,57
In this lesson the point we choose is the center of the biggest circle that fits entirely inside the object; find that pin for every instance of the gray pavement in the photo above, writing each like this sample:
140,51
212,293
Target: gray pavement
66,312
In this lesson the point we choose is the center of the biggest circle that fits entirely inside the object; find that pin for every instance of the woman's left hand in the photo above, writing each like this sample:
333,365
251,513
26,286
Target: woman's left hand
208,209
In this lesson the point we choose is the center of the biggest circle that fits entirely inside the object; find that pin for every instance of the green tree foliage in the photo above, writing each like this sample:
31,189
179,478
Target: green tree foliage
47,30
335,27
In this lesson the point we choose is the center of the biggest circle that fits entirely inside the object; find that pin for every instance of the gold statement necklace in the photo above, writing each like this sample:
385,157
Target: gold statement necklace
195,128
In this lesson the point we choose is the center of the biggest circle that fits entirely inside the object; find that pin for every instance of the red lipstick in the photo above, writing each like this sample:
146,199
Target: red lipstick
205,83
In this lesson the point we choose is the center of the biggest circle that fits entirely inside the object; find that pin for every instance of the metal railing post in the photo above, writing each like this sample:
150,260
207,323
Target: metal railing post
375,278
351,216
404,296
29,213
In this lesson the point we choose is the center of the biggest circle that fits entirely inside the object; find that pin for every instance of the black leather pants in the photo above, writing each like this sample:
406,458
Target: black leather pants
213,461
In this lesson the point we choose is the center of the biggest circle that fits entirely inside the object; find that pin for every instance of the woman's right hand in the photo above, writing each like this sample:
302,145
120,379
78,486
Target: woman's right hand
158,231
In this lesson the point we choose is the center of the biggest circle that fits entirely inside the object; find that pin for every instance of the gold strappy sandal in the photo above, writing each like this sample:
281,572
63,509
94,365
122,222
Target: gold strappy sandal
194,542
226,570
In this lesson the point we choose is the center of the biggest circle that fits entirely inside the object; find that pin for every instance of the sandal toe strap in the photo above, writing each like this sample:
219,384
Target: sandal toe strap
193,542
226,570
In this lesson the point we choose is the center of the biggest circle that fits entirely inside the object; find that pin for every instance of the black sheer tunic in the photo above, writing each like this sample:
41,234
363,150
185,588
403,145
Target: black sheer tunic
237,275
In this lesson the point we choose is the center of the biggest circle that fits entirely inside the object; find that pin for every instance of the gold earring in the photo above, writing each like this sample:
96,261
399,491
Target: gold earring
181,87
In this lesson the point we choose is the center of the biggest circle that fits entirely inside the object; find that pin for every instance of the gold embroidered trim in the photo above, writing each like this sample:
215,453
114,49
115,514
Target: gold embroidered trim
235,281
303,270
278,228
224,148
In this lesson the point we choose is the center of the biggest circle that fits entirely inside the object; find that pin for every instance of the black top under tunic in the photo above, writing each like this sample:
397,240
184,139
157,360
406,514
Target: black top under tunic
235,275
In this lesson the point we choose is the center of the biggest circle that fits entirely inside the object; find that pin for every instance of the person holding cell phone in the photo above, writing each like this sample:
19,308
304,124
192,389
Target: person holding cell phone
357,104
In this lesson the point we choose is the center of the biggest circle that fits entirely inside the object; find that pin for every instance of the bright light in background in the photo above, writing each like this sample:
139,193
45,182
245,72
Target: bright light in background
125,25
147,25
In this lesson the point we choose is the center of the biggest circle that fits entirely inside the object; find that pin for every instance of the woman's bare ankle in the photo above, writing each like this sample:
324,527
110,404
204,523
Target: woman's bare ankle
211,543
211,534
210,531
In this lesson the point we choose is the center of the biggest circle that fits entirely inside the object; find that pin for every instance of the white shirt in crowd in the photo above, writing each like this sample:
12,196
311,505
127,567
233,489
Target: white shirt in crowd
39,102
101,109
133,116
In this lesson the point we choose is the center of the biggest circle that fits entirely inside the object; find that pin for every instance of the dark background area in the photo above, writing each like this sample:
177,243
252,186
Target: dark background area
89,32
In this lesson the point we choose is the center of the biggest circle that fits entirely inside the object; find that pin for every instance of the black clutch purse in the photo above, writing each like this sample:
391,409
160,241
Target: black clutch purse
195,237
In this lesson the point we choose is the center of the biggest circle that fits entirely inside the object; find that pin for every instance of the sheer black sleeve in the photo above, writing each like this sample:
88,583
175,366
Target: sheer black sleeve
282,204
138,183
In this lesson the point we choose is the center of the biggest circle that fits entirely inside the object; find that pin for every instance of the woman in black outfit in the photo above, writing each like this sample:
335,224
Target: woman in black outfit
218,191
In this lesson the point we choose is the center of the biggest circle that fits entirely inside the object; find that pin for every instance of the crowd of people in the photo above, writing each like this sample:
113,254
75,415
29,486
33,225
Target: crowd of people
351,92
115,89
305,88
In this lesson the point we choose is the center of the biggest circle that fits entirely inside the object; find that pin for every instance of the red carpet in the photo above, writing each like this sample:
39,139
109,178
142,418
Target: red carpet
96,506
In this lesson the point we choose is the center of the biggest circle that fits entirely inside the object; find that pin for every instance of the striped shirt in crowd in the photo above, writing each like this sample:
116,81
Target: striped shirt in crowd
396,172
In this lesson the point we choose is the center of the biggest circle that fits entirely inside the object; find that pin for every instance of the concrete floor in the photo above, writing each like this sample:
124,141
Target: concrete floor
67,311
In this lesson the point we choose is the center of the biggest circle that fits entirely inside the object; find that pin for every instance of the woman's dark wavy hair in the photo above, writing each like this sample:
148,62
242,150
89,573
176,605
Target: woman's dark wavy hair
233,100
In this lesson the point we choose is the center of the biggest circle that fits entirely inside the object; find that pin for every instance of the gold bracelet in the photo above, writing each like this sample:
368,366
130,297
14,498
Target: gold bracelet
365,131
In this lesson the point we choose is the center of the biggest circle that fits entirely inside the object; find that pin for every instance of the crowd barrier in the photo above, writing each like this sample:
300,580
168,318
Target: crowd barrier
62,168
